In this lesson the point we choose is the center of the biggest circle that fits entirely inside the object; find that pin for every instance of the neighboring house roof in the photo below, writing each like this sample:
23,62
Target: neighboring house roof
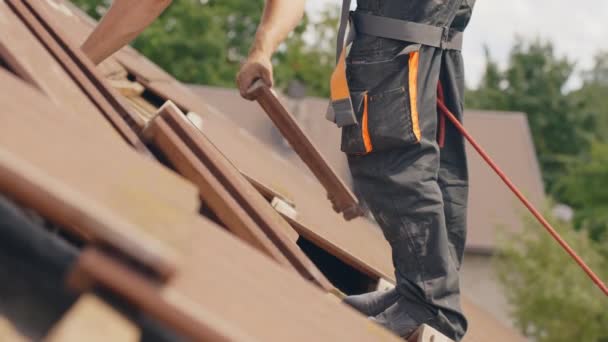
505,135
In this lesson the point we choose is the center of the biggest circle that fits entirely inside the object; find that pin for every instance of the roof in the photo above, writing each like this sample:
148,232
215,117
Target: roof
103,187
505,136
217,274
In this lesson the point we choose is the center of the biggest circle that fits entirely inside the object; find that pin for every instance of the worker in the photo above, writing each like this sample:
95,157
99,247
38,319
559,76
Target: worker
408,164
123,22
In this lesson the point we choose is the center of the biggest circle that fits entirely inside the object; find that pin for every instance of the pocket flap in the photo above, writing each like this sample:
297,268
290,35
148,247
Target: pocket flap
347,118
343,111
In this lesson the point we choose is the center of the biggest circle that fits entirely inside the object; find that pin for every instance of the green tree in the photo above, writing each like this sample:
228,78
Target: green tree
591,97
584,189
586,175
205,41
311,63
533,83
552,297
489,94
94,8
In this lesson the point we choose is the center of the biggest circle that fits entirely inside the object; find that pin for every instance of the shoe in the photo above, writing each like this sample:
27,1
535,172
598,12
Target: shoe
373,303
403,318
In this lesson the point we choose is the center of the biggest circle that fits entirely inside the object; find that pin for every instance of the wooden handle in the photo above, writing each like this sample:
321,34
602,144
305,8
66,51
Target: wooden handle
342,198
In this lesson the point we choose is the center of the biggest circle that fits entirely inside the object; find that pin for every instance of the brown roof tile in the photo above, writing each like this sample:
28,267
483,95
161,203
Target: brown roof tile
258,152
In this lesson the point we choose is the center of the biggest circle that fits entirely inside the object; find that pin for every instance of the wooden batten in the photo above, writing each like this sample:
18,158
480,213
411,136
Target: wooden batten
80,68
162,136
427,334
127,88
92,320
271,223
343,200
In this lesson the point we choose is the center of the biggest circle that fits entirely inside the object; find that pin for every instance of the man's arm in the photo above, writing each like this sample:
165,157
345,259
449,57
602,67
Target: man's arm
125,20
279,19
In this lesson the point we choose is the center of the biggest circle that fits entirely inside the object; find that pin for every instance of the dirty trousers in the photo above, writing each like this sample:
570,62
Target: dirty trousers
415,188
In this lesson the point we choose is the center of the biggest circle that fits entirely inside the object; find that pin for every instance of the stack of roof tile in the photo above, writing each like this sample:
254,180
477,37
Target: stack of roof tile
160,228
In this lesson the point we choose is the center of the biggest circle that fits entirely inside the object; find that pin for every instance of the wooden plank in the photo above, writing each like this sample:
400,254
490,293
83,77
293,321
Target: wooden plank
92,320
112,70
140,66
80,25
341,197
268,192
179,94
94,223
26,54
265,300
119,183
188,321
144,113
226,277
127,88
352,259
233,292
29,120
9,60
188,233
147,109
80,68
316,222
221,202
427,334
273,225
215,268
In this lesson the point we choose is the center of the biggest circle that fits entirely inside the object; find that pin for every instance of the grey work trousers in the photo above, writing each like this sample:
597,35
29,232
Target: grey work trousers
416,190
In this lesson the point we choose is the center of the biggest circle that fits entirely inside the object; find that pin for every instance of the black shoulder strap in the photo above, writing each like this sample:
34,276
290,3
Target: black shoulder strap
344,19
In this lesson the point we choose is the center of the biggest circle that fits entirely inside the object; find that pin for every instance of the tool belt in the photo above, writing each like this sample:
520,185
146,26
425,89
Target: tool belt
342,111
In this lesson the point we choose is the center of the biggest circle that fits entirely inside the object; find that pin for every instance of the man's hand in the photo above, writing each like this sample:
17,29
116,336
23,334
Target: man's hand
280,17
257,66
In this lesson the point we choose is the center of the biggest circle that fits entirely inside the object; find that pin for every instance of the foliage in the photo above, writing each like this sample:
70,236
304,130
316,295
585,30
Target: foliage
553,298
584,189
489,94
94,8
591,97
533,83
205,42
583,185
570,129
311,64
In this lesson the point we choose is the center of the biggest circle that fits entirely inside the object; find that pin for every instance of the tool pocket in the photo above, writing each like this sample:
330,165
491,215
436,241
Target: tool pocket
384,93
352,135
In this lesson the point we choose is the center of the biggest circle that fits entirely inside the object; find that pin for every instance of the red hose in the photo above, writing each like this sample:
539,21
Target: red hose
450,116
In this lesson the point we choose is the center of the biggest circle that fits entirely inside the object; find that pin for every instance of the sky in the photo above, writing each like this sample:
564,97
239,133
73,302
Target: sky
578,29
